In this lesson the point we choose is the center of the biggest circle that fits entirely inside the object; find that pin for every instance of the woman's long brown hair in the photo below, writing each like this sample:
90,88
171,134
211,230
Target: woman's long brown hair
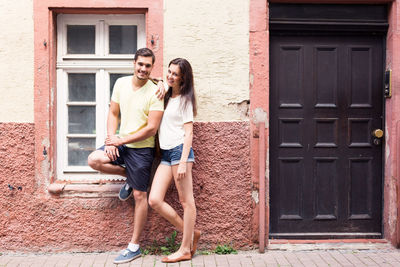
187,85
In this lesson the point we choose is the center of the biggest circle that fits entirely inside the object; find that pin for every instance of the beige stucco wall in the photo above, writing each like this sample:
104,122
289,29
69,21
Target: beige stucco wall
16,57
214,37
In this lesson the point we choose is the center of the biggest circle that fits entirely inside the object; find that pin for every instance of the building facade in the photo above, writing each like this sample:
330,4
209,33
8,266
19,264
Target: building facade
290,95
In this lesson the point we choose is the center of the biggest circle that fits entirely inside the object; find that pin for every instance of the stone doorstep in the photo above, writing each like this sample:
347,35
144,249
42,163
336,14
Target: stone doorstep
329,244
316,241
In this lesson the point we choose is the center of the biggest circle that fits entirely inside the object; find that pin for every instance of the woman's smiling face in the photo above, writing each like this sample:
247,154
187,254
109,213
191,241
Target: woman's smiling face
174,76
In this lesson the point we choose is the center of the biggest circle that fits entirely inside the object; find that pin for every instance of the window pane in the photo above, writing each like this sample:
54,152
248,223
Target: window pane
79,149
123,39
82,87
113,78
81,120
81,39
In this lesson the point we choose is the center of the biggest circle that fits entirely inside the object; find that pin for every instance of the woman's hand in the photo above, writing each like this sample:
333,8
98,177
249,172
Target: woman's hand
113,140
181,170
160,93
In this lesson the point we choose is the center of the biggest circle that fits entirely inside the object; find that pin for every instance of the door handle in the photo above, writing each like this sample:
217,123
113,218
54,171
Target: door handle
377,133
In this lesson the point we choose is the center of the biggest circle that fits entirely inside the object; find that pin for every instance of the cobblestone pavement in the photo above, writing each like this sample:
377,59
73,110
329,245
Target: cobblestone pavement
276,255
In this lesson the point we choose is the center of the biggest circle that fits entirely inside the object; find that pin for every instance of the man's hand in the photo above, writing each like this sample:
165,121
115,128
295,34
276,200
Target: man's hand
113,140
112,152
160,93
181,170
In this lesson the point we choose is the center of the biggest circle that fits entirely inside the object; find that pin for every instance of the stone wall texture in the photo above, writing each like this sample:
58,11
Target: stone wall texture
16,57
33,220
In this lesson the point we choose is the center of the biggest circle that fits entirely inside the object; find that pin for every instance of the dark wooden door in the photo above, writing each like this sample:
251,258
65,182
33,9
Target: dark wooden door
325,165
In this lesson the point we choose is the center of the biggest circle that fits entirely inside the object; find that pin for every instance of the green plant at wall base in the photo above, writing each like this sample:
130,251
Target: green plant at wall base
167,249
171,245
204,252
153,249
144,251
225,249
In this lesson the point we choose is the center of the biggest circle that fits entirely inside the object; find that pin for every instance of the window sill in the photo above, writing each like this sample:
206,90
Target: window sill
85,190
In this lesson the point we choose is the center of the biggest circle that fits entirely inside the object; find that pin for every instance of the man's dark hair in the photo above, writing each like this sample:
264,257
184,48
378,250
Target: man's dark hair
144,52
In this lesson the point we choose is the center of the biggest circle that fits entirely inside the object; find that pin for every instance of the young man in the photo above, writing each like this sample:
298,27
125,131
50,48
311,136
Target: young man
141,112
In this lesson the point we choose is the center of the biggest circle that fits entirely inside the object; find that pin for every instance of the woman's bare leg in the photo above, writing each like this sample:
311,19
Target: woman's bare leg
161,182
185,191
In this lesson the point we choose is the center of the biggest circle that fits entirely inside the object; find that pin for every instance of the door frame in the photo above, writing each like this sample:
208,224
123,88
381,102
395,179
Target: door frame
259,104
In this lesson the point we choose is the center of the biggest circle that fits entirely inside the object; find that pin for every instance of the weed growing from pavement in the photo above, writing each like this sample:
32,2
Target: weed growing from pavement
168,248
204,252
171,246
225,249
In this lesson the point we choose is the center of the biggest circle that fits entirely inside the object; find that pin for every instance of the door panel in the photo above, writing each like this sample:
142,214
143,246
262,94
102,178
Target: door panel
325,101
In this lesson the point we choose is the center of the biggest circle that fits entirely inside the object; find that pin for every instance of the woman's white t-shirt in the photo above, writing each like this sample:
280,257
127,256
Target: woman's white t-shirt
172,133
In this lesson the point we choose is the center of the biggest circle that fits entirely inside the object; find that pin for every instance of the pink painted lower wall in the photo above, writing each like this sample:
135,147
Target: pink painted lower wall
33,220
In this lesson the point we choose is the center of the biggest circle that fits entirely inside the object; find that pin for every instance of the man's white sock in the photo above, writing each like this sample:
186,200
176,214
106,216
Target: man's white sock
133,247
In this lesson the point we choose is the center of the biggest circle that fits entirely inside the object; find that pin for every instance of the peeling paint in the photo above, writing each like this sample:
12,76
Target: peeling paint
44,165
255,51
242,107
392,218
267,178
52,96
156,40
259,115
387,147
40,67
254,195
46,142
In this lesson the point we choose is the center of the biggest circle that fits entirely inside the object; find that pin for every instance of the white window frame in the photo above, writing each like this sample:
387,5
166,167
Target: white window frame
101,43
102,65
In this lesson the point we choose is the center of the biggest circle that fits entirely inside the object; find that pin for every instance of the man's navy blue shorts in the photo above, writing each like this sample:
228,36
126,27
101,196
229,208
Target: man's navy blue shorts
138,162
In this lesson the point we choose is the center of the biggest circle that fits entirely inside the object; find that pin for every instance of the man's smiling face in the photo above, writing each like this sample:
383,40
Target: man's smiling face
143,67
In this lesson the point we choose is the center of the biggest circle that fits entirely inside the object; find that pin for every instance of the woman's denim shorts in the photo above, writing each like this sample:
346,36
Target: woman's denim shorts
173,156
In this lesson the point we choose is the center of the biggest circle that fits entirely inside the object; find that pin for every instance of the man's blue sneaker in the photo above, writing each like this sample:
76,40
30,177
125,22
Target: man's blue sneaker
125,192
127,256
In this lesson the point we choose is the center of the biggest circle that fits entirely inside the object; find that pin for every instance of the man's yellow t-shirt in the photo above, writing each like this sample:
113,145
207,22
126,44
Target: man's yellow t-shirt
135,107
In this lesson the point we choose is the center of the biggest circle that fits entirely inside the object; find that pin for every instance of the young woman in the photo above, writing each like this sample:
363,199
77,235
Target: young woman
175,136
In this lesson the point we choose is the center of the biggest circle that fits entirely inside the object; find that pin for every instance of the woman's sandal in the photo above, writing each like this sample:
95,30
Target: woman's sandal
185,257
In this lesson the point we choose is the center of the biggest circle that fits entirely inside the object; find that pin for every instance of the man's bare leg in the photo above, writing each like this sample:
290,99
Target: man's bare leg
140,219
99,161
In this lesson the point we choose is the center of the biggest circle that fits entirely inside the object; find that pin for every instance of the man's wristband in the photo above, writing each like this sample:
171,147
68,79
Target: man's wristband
155,80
